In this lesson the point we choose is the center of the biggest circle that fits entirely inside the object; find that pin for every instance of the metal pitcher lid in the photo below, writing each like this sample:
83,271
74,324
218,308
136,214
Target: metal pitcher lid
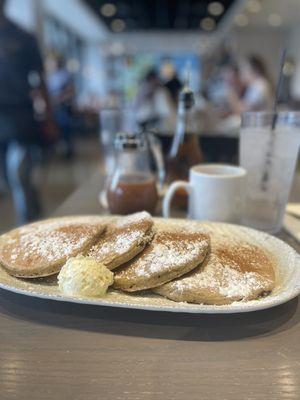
129,140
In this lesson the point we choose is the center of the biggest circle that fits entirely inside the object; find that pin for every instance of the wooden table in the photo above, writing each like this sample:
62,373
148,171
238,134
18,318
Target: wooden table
52,350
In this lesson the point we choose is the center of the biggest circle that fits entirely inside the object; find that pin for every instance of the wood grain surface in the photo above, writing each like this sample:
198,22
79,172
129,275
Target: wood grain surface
52,350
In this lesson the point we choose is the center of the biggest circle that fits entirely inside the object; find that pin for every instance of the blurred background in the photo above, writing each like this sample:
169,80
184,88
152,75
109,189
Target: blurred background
74,72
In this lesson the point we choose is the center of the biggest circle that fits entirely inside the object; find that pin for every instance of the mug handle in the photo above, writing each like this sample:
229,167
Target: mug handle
170,193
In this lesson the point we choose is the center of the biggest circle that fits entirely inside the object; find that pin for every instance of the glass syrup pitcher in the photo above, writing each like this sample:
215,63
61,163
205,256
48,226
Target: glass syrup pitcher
132,186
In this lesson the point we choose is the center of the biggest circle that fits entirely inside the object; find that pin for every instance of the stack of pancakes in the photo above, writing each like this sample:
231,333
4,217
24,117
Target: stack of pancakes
182,265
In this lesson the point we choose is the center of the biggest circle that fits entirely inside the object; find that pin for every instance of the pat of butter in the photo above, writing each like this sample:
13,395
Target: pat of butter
84,276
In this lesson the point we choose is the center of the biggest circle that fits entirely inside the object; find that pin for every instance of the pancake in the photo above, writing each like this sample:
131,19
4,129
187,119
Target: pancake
40,249
168,256
231,272
123,240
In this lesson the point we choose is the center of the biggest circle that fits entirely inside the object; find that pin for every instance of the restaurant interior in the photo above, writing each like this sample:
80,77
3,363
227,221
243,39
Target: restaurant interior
95,59
149,199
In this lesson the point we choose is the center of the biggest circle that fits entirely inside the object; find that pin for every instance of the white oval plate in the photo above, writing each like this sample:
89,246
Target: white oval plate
288,277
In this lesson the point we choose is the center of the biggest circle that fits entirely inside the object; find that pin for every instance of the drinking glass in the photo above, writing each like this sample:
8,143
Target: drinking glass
269,145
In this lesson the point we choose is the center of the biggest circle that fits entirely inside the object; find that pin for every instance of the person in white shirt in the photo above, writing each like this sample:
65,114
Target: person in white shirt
259,92
153,106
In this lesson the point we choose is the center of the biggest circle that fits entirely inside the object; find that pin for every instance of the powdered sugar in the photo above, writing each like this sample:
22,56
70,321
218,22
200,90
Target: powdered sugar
233,271
223,280
237,284
136,218
46,242
118,243
170,253
122,236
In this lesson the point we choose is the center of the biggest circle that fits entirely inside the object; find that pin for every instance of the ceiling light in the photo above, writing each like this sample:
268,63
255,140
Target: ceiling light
207,24
108,10
241,20
117,25
253,6
117,48
274,20
215,8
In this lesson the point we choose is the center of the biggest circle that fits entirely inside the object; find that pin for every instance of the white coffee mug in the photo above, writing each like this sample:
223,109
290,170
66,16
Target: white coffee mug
215,192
